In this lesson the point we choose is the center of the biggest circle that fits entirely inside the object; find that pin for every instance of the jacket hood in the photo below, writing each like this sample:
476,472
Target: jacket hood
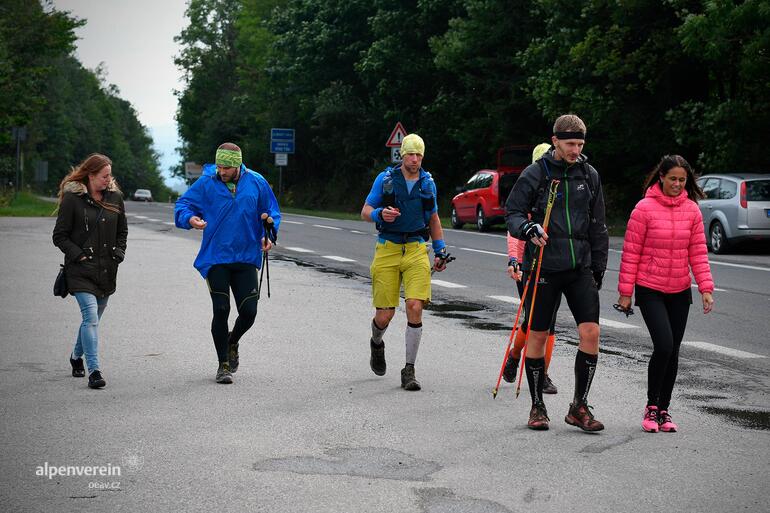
656,193
80,188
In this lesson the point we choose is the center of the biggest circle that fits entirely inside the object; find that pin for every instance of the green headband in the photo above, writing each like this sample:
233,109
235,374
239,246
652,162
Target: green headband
229,158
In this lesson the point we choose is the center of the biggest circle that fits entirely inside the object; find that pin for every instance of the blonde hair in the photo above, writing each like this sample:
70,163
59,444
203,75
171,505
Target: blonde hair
94,163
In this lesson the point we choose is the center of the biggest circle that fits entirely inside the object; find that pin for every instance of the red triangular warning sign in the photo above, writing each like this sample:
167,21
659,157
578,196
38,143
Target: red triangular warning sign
396,136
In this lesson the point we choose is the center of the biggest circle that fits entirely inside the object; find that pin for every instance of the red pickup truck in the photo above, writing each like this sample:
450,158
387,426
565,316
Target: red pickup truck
482,198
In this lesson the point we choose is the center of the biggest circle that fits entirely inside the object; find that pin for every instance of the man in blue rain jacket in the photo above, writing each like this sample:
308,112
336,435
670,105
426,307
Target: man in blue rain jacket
227,202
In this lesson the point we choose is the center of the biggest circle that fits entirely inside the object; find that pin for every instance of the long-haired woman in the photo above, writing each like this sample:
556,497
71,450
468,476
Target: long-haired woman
91,231
664,242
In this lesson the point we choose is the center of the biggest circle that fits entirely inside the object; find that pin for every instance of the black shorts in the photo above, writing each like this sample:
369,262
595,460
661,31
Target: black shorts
578,287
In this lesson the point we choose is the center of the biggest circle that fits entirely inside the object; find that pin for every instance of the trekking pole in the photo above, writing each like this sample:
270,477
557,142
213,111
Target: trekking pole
513,333
548,207
270,234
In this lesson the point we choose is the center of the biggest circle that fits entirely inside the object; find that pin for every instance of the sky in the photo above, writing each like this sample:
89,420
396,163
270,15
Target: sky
135,41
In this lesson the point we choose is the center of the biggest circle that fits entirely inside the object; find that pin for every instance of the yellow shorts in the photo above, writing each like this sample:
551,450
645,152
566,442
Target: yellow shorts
393,263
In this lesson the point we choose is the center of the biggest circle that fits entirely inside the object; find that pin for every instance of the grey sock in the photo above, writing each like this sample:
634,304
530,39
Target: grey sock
377,333
412,337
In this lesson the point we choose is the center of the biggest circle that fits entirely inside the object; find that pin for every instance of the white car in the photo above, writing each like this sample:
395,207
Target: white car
142,195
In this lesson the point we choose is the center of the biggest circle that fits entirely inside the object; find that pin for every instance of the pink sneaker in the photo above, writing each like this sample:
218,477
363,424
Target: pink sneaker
650,420
665,422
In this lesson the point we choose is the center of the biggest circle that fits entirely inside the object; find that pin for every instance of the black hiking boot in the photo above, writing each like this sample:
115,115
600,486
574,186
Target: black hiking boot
377,361
408,381
223,374
78,371
232,354
511,366
95,380
548,386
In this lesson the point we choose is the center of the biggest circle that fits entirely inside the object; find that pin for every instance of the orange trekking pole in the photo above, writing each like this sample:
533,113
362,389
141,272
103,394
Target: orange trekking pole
549,205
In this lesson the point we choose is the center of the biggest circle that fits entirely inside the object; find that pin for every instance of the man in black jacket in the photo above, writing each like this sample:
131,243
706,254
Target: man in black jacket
574,257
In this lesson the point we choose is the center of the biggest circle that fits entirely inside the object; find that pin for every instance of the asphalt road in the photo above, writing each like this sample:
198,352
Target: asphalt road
307,426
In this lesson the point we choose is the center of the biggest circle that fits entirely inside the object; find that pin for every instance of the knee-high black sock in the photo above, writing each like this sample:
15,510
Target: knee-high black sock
535,368
585,367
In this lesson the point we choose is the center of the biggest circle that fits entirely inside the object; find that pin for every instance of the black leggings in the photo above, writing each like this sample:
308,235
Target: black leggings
520,286
666,318
242,279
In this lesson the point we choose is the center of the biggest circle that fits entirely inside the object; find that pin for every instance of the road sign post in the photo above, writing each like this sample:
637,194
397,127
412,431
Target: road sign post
281,143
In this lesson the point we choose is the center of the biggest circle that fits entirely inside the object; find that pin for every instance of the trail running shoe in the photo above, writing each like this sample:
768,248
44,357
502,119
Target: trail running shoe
650,419
224,375
548,386
377,361
511,366
538,417
408,381
665,422
232,354
95,380
78,371
580,415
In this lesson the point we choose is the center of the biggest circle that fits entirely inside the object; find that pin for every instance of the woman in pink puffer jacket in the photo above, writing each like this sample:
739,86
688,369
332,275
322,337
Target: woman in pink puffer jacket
664,241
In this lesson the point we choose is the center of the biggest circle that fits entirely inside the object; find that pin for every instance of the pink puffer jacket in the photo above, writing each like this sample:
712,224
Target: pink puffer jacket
664,240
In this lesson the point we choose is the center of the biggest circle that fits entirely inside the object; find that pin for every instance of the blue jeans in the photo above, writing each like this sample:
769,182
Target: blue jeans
87,343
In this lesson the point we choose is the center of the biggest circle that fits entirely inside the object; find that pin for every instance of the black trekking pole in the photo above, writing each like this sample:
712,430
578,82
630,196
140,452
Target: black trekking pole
445,259
271,235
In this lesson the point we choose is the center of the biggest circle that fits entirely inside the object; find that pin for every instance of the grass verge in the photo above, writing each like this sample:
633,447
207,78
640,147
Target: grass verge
25,205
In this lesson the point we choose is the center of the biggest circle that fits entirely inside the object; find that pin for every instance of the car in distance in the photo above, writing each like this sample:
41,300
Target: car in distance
142,195
736,208
482,199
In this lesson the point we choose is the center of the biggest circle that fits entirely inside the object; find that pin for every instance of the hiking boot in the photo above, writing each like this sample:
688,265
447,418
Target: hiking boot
538,417
224,375
548,386
665,422
408,381
95,380
511,366
78,371
580,415
232,354
377,361
650,419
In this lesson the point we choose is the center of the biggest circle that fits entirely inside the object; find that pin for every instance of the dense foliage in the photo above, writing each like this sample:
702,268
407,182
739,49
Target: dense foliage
68,111
649,77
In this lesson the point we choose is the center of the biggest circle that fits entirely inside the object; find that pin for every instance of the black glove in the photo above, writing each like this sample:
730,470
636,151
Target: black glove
532,230
515,264
598,277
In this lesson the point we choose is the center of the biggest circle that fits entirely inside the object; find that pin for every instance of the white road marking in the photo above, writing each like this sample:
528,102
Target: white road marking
154,220
695,286
475,233
737,353
327,227
290,222
142,217
507,299
169,223
616,324
360,233
484,251
742,266
299,250
447,284
338,258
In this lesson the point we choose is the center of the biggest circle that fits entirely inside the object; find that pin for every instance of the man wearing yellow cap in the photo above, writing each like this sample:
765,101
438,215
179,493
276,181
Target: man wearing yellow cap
402,203
227,202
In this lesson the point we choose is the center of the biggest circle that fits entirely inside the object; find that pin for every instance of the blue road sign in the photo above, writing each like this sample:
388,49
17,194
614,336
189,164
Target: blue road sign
281,146
281,140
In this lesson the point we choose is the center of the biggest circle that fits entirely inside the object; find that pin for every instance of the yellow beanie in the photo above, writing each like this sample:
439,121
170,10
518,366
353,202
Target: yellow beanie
540,150
413,143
